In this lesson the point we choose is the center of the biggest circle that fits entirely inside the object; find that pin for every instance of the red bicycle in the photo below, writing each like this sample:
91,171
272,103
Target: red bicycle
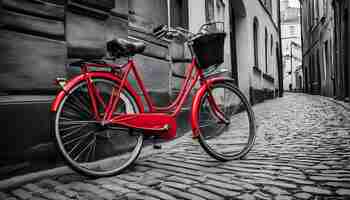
100,120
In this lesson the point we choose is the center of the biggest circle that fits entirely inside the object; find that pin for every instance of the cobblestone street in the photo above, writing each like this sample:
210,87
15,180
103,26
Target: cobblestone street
302,151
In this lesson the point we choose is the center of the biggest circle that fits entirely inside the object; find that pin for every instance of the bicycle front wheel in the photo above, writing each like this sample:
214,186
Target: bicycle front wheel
88,146
231,139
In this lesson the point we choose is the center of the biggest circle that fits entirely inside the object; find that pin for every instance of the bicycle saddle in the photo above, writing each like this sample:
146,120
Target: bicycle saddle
124,48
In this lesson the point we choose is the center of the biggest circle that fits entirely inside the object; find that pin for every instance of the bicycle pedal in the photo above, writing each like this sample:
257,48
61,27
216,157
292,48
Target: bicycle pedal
157,146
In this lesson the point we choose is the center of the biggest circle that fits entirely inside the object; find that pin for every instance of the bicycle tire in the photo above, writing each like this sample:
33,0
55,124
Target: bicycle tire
241,111
95,167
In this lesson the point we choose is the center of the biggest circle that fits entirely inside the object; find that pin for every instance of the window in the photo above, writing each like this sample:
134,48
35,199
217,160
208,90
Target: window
146,11
325,7
269,6
320,9
317,9
266,44
292,30
214,11
146,16
312,13
256,42
220,10
209,10
179,13
271,41
309,14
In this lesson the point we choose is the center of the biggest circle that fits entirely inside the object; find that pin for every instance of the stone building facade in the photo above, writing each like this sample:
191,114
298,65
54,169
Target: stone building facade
258,50
326,47
39,38
341,50
318,35
252,46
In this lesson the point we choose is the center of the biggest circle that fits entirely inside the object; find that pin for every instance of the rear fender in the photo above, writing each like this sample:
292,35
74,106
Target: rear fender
76,80
196,102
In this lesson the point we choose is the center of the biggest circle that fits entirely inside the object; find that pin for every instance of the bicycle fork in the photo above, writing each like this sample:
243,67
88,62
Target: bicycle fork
214,106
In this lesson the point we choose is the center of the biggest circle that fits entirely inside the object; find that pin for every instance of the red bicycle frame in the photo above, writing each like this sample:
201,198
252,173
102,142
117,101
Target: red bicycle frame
167,114
174,107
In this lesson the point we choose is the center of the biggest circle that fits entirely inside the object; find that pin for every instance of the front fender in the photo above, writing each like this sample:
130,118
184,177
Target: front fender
73,82
196,102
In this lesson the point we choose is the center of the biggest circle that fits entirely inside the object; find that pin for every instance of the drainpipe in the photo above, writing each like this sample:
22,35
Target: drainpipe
170,75
291,64
302,45
280,70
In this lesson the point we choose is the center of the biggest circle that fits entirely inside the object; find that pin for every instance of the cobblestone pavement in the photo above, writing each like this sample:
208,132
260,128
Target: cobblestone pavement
302,151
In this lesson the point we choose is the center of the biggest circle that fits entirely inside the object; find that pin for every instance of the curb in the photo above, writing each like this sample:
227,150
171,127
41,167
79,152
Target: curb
64,170
22,179
341,103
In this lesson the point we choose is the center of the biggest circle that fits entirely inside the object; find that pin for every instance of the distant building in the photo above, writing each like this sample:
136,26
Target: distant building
291,46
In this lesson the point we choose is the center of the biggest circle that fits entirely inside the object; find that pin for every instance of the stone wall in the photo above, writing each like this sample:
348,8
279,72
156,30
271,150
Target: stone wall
38,39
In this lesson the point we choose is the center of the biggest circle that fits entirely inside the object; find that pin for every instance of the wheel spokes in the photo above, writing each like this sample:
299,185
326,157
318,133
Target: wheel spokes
76,101
75,131
85,148
88,145
80,122
69,114
80,137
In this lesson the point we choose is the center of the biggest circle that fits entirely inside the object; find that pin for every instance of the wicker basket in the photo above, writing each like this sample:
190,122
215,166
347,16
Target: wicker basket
208,49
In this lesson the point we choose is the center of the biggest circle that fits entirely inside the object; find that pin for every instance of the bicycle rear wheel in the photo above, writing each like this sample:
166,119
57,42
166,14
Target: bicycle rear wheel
231,140
88,146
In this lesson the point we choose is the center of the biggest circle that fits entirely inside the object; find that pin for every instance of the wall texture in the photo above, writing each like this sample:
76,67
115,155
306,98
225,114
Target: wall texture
318,42
260,81
38,40
341,58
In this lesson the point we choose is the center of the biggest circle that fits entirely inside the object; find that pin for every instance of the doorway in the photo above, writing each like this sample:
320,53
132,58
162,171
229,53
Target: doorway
233,44
346,53
318,68
306,80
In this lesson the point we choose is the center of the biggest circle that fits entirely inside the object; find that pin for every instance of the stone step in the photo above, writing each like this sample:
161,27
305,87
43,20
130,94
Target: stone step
25,124
27,144
25,131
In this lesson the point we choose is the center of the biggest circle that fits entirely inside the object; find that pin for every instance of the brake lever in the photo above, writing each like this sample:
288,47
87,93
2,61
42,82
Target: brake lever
159,33
159,28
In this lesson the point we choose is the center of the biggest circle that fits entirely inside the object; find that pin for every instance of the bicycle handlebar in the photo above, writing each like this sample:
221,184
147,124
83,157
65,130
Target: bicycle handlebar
169,33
